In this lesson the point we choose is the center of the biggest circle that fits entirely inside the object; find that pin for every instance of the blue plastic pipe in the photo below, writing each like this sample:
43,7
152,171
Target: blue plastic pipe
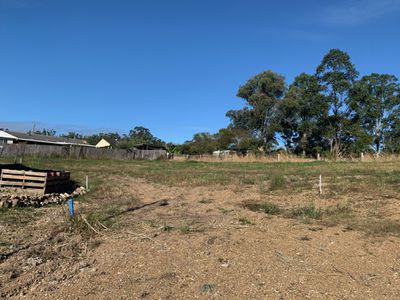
71,207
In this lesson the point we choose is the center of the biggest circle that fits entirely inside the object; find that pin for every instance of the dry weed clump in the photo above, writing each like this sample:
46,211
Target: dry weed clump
341,214
308,211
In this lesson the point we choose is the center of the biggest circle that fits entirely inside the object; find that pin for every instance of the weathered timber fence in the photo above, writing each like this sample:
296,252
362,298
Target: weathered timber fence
20,150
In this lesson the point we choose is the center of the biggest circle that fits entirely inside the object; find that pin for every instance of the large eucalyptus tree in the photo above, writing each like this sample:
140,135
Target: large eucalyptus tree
374,100
336,74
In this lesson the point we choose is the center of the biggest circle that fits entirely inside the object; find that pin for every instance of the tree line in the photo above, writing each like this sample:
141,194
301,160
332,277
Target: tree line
333,111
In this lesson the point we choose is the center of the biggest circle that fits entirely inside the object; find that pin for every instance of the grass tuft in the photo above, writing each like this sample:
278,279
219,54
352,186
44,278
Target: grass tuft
305,212
184,229
205,201
244,221
265,207
277,182
382,227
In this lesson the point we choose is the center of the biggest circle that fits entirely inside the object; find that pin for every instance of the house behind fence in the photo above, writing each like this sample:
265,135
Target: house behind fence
17,145
47,151
12,137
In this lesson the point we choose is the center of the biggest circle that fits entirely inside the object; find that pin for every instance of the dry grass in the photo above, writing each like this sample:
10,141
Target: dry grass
286,157
283,157
265,210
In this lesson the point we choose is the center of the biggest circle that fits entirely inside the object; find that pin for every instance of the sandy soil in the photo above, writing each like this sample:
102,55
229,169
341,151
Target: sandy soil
204,244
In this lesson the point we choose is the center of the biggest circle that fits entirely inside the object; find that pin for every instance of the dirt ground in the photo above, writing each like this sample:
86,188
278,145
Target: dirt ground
206,244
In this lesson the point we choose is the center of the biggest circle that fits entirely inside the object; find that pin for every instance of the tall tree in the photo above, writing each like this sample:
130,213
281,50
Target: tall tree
142,135
337,74
374,101
114,138
288,119
73,135
44,131
261,93
225,138
301,114
238,139
202,143
392,138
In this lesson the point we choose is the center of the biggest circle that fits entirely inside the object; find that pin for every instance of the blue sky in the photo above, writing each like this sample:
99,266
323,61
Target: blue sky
171,66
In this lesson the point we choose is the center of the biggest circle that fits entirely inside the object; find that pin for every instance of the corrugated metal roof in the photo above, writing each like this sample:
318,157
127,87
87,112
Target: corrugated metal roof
6,135
43,138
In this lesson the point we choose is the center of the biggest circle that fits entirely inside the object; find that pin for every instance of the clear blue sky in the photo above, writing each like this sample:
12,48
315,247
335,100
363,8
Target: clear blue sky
172,66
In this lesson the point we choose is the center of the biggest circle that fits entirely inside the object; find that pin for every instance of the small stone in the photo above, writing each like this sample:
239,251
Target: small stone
34,261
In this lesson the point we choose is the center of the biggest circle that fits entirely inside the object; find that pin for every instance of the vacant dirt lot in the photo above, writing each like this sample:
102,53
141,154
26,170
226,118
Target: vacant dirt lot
183,230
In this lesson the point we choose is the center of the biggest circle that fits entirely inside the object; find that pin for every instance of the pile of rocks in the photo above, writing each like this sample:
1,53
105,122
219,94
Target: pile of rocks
19,200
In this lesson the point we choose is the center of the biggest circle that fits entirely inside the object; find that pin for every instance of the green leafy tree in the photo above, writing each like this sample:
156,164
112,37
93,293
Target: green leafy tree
113,138
301,114
73,135
336,73
288,120
392,138
245,142
233,138
261,93
47,132
173,148
225,138
375,103
142,135
243,118
203,143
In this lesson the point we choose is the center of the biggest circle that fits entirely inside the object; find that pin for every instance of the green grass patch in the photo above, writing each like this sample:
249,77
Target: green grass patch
205,201
245,221
93,222
308,211
184,229
380,227
265,207
277,182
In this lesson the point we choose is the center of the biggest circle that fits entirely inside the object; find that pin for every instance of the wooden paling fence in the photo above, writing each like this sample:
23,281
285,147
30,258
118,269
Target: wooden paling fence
20,150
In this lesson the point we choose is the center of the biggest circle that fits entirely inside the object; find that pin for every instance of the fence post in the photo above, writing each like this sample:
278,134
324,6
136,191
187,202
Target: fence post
320,184
87,183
